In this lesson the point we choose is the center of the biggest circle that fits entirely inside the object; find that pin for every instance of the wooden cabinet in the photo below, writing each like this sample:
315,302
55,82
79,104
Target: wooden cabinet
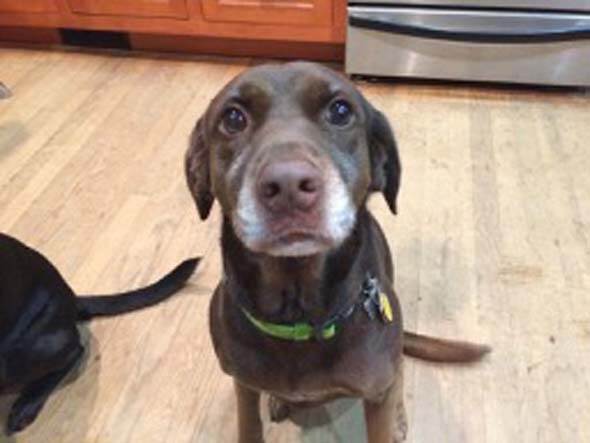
294,12
136,8
31,6
270,28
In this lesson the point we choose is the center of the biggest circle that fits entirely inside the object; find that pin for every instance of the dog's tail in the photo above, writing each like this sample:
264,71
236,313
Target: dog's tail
107,305
443,351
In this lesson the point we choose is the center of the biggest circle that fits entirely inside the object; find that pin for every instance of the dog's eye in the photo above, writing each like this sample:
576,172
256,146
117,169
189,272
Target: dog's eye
234,120
339,113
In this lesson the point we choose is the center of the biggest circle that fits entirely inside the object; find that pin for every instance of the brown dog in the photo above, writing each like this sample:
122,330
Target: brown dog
306,309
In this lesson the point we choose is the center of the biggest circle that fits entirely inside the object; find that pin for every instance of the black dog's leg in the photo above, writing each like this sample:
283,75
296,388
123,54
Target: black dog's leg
33,398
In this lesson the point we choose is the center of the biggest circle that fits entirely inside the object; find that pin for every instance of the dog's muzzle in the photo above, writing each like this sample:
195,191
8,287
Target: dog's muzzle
293,207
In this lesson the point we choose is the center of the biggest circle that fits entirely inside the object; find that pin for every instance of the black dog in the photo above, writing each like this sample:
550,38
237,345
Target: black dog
39,340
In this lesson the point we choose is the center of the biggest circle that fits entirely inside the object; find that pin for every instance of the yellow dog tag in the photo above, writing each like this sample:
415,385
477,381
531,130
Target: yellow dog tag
385,308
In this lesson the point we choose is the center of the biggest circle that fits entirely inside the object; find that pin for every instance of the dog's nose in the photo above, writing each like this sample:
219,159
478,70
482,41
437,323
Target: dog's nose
286,185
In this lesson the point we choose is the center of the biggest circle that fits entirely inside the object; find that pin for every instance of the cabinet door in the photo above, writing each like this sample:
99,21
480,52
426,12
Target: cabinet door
27,6
136,8
293,12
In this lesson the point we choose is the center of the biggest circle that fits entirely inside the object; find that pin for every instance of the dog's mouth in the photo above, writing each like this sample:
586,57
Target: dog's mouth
298,235
285,239
294,243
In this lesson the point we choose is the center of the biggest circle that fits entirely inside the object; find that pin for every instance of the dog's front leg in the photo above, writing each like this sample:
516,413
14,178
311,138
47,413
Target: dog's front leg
249,420
386,418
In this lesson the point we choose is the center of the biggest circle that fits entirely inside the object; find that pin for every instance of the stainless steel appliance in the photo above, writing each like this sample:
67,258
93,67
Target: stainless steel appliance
521,41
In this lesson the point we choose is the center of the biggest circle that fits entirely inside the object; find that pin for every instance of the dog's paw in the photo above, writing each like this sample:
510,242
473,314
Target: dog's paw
22,415
278,409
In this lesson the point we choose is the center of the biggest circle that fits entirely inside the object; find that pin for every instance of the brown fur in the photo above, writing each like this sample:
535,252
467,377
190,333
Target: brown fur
446,351
287,104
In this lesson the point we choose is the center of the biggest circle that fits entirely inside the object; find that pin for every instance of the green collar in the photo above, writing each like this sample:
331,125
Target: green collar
294,332
375,303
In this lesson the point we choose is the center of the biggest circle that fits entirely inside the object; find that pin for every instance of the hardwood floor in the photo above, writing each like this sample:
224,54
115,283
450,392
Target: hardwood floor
492,244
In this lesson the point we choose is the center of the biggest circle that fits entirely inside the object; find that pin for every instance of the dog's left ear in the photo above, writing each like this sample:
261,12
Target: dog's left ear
385,164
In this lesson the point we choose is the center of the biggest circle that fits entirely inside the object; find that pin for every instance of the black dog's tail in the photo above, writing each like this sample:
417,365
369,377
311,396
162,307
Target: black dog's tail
106,305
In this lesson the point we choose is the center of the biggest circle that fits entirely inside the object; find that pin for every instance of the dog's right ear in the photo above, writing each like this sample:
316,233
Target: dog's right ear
196,167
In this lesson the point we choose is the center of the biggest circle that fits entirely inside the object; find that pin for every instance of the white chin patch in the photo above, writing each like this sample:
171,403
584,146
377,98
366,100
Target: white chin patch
339,216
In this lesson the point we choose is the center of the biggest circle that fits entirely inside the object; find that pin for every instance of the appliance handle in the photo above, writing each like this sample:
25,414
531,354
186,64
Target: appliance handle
396,27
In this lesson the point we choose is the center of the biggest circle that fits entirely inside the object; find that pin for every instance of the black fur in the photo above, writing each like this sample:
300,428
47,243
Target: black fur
39,339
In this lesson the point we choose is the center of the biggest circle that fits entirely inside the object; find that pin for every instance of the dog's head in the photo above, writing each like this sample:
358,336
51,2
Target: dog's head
291,152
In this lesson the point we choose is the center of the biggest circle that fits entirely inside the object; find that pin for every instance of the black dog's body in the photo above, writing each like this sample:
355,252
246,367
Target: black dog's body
39,339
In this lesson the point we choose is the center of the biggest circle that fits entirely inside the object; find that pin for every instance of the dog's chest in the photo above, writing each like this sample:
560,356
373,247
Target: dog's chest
359,361
312,374
353,373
